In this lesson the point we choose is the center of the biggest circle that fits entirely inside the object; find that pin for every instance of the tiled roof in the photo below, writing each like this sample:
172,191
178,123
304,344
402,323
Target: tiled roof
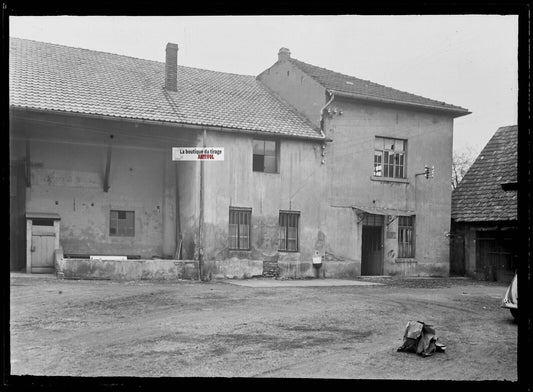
479,196
353,86
60,78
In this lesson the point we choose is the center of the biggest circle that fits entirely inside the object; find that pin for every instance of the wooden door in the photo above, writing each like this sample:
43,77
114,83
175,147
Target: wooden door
372,250
42,249
496,255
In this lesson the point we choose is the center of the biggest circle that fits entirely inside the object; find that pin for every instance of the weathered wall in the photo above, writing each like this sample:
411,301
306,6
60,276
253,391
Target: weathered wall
297,88
350,182
68,179
189,205
68,159
299,186
126,269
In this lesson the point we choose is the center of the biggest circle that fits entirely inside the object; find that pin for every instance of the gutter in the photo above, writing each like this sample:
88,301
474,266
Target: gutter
172,124
457,112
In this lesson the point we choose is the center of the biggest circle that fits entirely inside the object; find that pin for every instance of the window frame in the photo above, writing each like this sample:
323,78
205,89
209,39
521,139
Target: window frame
406,237
392,156
120,229
283,227
264,154
246,215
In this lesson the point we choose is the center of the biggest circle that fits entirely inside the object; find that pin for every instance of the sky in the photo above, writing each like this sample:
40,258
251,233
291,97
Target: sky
465,60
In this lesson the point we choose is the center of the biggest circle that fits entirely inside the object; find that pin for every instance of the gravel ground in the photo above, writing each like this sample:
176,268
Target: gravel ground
192,329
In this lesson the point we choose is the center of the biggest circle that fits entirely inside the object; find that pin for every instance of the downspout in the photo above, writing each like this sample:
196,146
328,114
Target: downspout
322,114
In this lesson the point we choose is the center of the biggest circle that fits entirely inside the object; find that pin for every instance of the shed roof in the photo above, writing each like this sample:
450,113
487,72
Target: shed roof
479,196
60,78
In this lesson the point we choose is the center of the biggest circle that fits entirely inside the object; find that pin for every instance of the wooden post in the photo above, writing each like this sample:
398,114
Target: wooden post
56,231
108,166
201,220
28,245
177,254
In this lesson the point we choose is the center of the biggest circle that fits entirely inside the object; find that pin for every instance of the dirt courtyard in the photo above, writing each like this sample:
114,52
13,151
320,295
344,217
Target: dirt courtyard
219,329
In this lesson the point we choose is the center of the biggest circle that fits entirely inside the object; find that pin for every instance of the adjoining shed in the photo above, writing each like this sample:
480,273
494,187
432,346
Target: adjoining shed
484,212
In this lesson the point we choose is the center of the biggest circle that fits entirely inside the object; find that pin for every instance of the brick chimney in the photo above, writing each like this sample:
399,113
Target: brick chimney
171,67
284,54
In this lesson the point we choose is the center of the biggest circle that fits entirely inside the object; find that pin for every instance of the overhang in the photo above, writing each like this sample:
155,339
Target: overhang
382,211
454,111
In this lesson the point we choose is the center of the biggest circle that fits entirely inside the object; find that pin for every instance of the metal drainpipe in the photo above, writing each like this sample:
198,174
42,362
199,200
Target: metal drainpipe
322,114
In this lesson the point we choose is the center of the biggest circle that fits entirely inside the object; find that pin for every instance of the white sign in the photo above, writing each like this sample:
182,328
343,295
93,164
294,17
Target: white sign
197,153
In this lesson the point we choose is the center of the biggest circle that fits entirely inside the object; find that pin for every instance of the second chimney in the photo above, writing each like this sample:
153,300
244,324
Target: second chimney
284,54
171,67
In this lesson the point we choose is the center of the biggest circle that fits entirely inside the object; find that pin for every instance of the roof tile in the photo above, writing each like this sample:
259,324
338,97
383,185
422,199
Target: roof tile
349,84
479,196
61,78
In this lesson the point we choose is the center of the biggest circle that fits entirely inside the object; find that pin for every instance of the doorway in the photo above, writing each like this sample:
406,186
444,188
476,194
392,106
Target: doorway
372,245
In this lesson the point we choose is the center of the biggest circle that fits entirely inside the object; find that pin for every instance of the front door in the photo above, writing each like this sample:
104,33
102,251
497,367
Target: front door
372,246
42,248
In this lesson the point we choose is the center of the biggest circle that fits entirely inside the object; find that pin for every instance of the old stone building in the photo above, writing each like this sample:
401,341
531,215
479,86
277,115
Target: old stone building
317,166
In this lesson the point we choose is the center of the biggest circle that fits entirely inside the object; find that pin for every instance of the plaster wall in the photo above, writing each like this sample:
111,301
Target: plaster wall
67,178
296,88
298,186
350,160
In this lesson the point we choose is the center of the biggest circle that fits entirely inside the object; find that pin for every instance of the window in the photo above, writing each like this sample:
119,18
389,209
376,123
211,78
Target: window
390,158
122,223
406,236
239,228
288,231
265,158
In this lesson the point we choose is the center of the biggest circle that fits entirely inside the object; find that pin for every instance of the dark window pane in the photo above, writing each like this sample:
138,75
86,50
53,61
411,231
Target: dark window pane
259,163
121,214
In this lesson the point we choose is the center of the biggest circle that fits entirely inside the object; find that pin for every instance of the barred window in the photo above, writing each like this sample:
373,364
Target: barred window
406,236
265,156
390,157
239,228
122,223
288,231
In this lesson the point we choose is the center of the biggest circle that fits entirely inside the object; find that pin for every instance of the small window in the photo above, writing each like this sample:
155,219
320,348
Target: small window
288,231
406,237
390,158
239,228
122,223
265,156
